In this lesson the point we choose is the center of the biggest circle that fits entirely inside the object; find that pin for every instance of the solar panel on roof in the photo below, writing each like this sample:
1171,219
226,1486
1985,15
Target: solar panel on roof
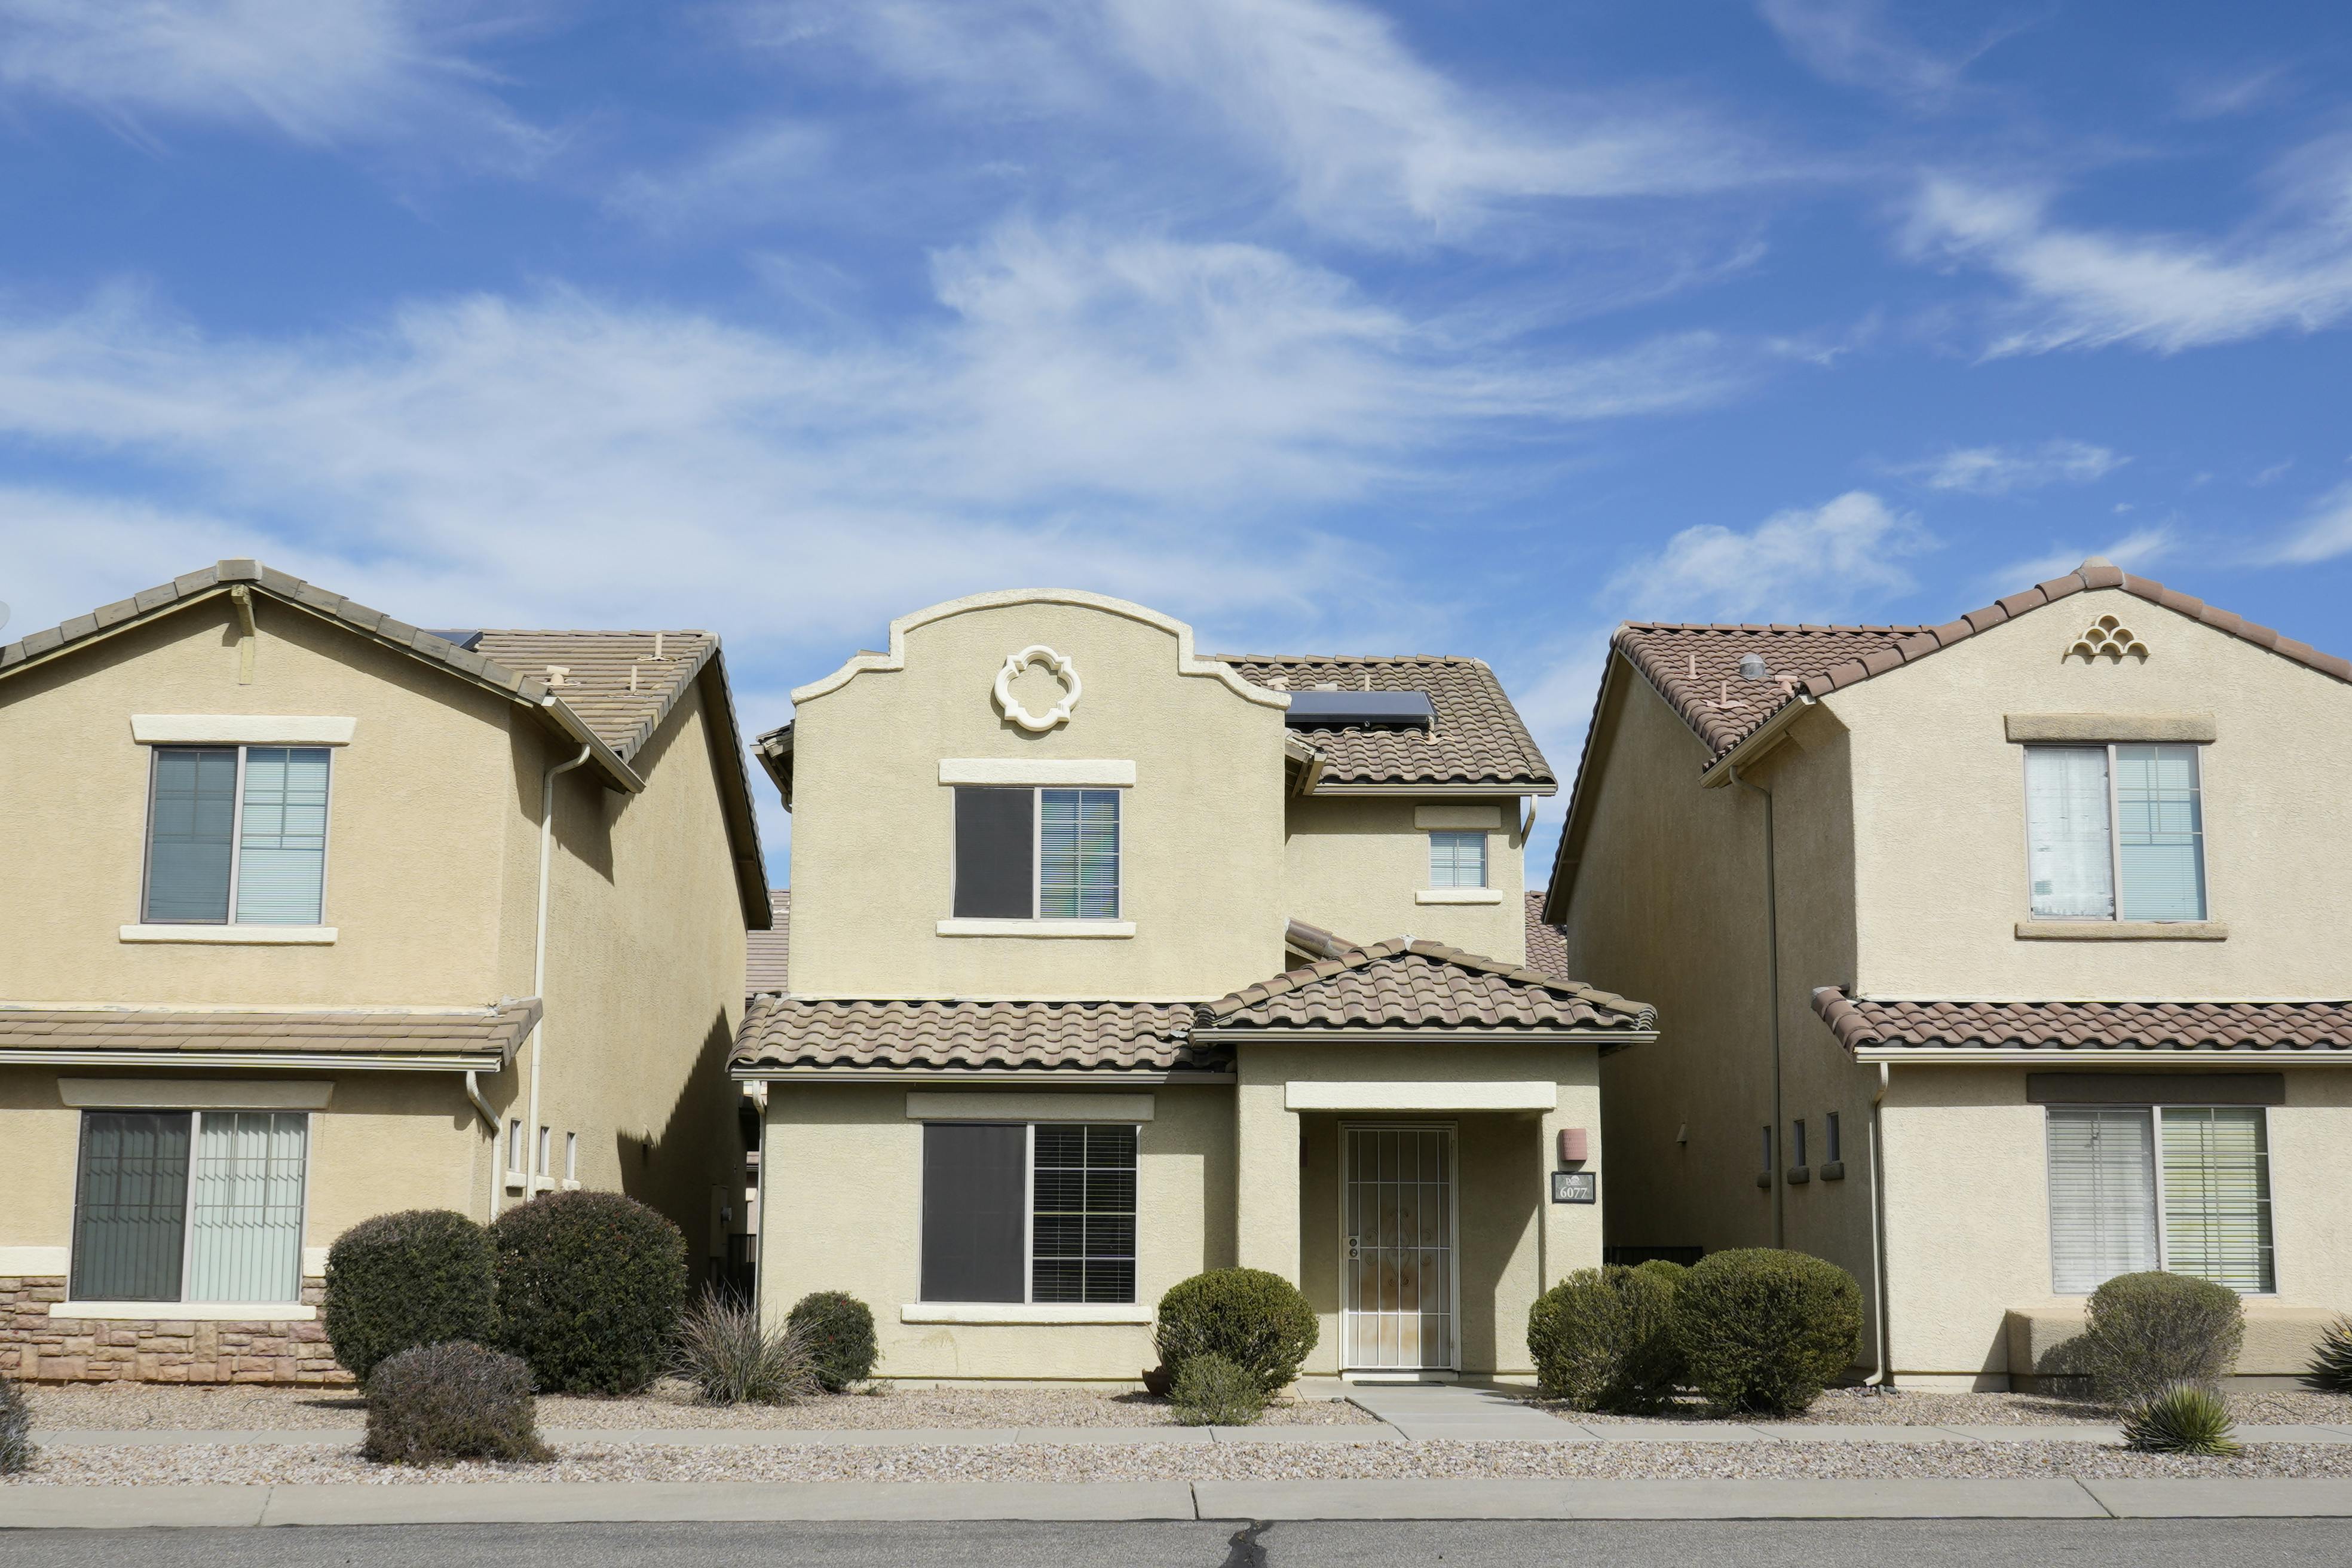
1343,710
464,640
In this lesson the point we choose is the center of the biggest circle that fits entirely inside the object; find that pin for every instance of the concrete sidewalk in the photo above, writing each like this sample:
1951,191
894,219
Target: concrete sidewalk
40,1507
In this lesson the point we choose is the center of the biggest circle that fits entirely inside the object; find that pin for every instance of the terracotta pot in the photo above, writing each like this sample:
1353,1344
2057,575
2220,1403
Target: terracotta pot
1156,1380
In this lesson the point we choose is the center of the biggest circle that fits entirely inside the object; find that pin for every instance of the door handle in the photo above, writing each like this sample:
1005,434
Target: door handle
1355,1248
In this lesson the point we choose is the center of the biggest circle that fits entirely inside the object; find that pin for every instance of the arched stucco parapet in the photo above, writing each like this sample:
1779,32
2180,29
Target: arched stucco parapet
1187,661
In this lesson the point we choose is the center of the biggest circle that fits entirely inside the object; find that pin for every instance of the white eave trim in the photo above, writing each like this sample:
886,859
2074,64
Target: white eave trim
1102,772
208,1061
1440,791
2091,1057
1342,1035
240,729
1756,743
1077,1080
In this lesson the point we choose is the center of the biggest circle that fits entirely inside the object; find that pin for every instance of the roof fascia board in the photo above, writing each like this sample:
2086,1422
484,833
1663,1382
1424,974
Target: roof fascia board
1460,790
774,751
1957,1056
1758,741
1342,1035
1188,662
490,1061
734,790
1088,1076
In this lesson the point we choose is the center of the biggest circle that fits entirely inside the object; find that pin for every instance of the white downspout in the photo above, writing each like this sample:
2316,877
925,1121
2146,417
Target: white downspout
489,1120
1877,1226
539,965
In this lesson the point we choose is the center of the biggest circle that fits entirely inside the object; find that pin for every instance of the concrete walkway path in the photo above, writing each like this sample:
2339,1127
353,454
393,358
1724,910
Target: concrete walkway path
1463,1412
115,1508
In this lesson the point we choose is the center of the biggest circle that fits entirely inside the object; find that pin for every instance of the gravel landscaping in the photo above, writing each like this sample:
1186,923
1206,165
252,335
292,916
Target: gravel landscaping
252,1408
1907,1407
327,1463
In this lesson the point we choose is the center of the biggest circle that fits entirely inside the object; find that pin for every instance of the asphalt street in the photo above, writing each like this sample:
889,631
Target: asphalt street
1931,1543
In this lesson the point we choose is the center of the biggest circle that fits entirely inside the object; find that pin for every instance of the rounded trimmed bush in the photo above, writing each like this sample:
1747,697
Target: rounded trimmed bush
1211,1391
591,1287
16,1449
416,1278
1258,1320
2145,1332
2183,1419
1603,1338
1663,1269
838,1331
1763,1330
438,1404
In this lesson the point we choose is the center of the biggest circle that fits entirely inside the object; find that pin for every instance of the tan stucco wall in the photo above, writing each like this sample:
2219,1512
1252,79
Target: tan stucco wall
1353,867
844,1173
1939,813
1967,1202
873,826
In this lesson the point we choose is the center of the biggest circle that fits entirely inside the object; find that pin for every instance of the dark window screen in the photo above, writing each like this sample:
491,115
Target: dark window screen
130,1206
191,814
996,864
974,1210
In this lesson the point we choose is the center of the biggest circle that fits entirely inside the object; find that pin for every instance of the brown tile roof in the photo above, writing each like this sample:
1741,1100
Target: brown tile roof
2085,1029
1402,984
1546,944
960,1035
595,706
481,1035
765,952
1726,709
1479,737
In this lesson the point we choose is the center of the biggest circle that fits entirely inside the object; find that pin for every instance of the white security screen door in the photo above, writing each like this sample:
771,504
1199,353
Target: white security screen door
1397,1263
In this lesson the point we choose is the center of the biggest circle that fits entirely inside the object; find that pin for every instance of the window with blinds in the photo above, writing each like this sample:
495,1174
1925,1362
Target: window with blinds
2115,832
238,834
1036,854
1082,1230
1022,1212
2183,1188
1458,860
190,1206
1077,854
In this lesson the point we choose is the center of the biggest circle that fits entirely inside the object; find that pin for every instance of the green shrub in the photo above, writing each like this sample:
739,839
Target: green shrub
416,1278
16,1449
1763,1331
1258,1320
590,1288
839,1331
733,1358
2331,1359
1664,1270
1603,1338
437,1404
2183,1419
1211,1391
2148,1332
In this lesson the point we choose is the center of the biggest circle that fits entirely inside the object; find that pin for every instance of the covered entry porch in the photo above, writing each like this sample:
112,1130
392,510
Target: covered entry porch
1418,1148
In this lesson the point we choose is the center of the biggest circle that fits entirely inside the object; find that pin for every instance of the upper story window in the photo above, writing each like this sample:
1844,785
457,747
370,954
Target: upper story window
1458,860
2114,832
237,835
1036,854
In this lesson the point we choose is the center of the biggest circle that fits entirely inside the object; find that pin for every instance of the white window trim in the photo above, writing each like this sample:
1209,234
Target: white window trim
1029,1309
2204,927
144,930
1038,925
1458,896
240,729
183,1309
1437,895
2156,1173
1036,928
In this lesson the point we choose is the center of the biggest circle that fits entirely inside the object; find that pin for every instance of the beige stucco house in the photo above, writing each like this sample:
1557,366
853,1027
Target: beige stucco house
1065,1019
314,915
2035,907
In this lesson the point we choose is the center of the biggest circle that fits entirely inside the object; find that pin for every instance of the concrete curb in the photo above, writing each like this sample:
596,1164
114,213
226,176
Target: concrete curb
548,1502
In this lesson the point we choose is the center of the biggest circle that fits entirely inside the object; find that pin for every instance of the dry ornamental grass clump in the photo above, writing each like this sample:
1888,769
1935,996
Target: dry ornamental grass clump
733,1358
16,1449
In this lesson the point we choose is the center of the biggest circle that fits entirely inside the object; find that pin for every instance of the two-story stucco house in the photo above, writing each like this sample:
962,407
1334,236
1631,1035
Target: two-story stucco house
2038,907
313,915
1065,1018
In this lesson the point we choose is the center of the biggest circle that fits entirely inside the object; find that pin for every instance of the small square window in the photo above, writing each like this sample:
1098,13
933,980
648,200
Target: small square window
1458,860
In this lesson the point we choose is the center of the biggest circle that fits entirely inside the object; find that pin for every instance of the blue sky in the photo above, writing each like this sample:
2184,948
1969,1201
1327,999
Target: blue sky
1329,326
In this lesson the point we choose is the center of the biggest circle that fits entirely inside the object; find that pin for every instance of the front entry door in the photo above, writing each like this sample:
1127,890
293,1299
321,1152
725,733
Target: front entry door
1397,1236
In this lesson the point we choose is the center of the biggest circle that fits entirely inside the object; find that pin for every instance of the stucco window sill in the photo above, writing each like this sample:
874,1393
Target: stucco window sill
1799,1175
2123,930
241,935
186,1312
1833,1171
1022,1312
1458,896
1033,928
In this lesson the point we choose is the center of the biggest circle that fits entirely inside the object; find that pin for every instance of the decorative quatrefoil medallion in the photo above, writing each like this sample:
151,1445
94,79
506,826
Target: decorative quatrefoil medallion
2110,639
1010,705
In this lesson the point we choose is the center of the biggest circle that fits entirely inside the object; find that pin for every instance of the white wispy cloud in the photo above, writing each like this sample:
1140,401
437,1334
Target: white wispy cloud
1368,141
1855,44
2290,271
317,70
2000,470
1147,417
2324,533
2134,552
1803,563
747,177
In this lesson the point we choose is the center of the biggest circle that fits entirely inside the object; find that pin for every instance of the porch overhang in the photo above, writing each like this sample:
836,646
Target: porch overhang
1370,1095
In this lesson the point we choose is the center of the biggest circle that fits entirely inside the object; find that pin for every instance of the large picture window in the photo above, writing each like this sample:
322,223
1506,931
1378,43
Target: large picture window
185,1206
1020,1212
2183,1188
236,835
2115,832
1036,854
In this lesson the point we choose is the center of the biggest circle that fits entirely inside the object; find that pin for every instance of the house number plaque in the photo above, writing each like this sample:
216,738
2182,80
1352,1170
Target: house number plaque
1575,1187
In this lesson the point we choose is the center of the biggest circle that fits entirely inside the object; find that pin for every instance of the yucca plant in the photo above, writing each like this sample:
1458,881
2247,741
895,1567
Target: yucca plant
733,1358
2331,1360
16,1449
2183,1419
